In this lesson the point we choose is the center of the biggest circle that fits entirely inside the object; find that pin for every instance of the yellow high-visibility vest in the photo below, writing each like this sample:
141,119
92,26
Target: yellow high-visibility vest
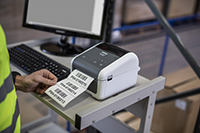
9,107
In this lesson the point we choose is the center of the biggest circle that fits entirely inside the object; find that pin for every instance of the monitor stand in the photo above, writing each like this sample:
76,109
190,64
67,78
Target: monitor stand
61,48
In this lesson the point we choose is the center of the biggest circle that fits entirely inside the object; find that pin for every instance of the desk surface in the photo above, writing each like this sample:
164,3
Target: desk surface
85,110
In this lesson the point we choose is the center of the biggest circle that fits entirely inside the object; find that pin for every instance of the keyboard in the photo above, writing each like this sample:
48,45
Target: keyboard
30,60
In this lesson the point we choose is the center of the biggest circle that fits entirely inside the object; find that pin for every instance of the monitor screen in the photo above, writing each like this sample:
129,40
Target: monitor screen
82,18
78,18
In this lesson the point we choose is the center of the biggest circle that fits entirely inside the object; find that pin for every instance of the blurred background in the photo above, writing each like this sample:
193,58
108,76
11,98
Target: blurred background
136,29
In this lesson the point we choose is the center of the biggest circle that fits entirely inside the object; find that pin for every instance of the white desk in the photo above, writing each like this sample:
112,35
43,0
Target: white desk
85,110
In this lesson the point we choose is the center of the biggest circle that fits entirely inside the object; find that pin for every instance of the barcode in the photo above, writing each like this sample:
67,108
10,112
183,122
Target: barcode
72,85
69,89
81,76
78,80
56,96
62,94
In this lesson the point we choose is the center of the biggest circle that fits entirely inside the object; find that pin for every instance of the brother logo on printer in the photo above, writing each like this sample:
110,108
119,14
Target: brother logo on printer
103,53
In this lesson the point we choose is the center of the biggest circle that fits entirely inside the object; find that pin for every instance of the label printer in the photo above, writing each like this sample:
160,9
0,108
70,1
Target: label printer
113,69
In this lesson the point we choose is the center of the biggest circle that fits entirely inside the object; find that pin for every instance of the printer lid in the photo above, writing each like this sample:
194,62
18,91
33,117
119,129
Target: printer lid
93,60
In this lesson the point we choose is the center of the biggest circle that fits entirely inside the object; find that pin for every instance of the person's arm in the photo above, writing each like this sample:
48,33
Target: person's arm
38,81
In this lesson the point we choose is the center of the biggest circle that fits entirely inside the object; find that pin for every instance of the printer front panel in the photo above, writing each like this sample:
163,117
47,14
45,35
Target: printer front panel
92,62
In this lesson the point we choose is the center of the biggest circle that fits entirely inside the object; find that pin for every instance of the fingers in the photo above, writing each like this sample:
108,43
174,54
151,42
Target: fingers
42,88
45,81
41,91
50,75
36,80
46,77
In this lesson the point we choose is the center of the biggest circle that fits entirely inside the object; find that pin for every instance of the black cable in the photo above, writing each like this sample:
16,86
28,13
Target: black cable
179,95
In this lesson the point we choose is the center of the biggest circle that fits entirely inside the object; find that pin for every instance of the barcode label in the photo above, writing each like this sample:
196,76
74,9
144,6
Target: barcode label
82,83
80,78
68,89
59,95
56,96
71,87
83,77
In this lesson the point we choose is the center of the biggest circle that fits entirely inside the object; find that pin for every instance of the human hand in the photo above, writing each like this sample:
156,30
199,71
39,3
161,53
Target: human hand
38,81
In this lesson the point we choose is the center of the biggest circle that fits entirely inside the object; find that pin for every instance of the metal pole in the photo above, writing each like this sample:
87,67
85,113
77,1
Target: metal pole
197,126
176,39
164,55
109,23
179,95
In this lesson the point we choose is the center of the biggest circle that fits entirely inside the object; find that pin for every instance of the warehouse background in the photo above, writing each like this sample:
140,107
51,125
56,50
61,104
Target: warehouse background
147,39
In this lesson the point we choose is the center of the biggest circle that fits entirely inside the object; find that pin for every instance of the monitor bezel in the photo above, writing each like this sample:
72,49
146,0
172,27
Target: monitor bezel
68,32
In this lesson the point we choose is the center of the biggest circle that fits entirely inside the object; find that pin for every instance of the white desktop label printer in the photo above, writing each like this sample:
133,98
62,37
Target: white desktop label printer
112,68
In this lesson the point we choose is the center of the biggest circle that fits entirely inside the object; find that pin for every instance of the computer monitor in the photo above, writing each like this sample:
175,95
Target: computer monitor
79,18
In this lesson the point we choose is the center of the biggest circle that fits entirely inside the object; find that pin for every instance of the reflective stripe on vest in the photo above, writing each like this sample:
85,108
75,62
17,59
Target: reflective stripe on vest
6,88
9,107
